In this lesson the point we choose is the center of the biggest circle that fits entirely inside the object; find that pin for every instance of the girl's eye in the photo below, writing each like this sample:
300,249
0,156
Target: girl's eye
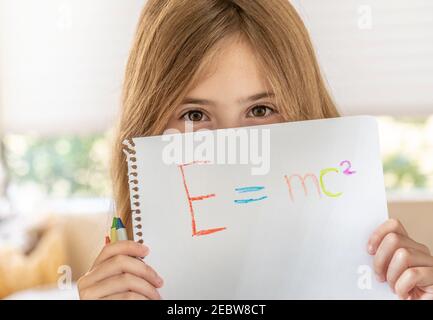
260,111
195,116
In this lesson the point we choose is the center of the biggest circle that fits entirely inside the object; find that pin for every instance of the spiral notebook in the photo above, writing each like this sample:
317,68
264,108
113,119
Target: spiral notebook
280,211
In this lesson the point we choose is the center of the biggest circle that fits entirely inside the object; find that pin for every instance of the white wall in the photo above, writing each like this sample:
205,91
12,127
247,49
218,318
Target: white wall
62,62
381,67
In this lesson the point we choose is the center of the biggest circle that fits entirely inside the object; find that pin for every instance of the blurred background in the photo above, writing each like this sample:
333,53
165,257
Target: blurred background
61,69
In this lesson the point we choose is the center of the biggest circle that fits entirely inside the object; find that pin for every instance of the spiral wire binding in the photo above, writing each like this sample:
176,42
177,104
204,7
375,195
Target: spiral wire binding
131,159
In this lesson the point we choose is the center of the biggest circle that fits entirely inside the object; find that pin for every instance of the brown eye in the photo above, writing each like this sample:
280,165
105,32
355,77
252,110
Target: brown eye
260,111
194,116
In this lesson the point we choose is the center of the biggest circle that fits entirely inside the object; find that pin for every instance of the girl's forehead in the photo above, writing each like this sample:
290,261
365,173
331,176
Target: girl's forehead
231,64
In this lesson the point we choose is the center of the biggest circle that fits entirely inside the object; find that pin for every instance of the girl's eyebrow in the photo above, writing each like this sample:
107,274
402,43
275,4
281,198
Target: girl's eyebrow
255,97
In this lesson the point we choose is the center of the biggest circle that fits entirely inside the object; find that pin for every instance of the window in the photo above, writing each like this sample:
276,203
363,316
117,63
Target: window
407,154
64,166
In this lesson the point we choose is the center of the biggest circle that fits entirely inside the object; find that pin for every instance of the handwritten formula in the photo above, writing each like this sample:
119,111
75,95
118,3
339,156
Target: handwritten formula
249,195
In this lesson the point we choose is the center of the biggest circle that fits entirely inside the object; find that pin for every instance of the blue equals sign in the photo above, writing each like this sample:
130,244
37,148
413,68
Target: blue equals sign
249,189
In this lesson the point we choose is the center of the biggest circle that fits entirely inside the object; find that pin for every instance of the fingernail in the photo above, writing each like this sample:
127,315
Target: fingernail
370,249
380,278
159,280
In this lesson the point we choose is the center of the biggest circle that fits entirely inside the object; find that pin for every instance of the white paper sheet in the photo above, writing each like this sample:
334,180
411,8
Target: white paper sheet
276,246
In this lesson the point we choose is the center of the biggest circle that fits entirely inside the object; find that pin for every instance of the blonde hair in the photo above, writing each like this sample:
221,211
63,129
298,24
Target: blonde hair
176,38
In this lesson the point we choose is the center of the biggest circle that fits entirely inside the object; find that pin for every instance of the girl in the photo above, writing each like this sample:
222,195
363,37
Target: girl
221,64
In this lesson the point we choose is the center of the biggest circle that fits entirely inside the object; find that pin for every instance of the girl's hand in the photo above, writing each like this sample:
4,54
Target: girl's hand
118,274
406,265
